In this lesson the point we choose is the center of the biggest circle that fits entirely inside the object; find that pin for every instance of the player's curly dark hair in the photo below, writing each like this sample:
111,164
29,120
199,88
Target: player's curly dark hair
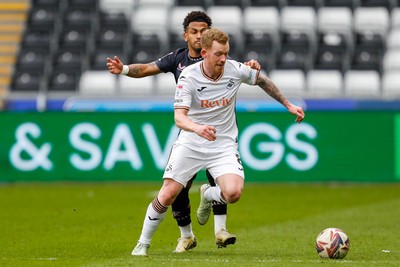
198,16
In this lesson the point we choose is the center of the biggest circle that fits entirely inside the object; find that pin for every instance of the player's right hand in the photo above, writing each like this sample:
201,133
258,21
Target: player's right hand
114,65
207,132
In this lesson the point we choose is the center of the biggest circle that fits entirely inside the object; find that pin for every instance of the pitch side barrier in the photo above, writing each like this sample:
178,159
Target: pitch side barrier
133,143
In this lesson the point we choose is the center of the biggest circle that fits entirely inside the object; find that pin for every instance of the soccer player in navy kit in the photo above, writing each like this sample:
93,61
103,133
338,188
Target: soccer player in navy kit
194,24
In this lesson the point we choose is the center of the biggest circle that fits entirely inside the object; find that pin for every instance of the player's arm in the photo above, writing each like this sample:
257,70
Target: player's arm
115,66
270,88
254,64
183,122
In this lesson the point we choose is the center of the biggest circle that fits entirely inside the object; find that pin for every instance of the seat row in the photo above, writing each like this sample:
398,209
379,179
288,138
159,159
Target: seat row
293,83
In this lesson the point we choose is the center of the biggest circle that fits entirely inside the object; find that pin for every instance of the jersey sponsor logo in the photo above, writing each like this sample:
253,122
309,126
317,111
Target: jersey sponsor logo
180,67
216,103
202,88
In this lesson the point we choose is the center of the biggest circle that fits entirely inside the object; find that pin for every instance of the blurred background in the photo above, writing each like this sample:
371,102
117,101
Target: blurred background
59,101
53,50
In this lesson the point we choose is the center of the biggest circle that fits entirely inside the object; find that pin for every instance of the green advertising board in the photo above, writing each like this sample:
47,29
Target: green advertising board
327,146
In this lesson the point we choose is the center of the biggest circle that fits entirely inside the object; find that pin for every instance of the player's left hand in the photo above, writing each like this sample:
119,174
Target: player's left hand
254,64
297,111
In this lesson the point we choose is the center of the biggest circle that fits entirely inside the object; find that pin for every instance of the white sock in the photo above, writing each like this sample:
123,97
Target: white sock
219,222
154,216
214,194
186,231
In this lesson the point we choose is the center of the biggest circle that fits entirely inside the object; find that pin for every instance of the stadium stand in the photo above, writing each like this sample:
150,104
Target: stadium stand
314,48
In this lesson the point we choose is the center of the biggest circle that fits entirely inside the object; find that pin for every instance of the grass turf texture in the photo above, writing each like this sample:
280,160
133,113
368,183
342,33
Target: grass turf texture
276,225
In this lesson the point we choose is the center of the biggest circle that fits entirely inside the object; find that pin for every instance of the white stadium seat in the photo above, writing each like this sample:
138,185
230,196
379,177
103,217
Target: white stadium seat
391,84
136,86
292,83
116,6
391,60
165,84
97,83
324,84
362,84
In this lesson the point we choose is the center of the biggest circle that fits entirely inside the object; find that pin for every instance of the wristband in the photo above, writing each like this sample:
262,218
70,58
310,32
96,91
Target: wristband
125,70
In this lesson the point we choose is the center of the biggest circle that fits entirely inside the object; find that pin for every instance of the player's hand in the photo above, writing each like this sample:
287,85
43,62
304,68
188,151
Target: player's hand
254,64
114,65
207,132
297,111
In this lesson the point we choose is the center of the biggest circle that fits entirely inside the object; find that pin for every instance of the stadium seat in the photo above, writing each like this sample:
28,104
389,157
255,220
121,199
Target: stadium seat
298,26
262,40
337,20
395,18
371,37
79,17
111,37
27,81
393,40
138,87
32,57
332,52
268,3
203,3
391,84
97,83
63,81
372,30
352,4
144,25
391,60
69,58
292,83
42,18
117,7
230,20
165,84
362,84
158,3
37,38
324,84
367,58
388,4
239,3
77,38
308,3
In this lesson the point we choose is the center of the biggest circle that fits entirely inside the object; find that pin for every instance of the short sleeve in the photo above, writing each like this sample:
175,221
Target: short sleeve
183,94
247,74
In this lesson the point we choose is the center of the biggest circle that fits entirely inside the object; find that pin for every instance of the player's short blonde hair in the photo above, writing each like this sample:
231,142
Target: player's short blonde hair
211,35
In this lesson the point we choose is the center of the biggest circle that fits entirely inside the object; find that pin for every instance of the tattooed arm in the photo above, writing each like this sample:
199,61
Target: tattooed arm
270,88
115,66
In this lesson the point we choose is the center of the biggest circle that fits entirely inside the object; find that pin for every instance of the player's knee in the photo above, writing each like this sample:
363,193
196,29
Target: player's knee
232,196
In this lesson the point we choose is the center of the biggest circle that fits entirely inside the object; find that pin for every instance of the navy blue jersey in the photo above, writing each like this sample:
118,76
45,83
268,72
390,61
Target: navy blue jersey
176,61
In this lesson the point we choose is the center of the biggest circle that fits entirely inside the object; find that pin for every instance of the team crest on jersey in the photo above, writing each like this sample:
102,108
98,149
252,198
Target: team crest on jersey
230,84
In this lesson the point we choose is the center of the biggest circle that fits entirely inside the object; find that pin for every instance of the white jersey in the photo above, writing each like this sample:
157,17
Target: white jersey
212,102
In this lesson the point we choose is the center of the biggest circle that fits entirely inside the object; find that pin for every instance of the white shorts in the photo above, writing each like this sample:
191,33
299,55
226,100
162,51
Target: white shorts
184,162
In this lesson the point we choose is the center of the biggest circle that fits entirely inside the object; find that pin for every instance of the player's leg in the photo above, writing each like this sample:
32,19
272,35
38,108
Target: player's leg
183,164
220,209
230,182
181,213
155,214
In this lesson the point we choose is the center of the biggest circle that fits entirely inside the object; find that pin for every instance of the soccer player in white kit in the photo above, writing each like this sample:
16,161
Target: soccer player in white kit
204,105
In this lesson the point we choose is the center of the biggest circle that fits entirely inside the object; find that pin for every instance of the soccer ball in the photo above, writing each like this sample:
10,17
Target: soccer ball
332,243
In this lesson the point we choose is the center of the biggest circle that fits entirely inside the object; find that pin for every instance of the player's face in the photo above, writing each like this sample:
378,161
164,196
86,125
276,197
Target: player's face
216,56
193,35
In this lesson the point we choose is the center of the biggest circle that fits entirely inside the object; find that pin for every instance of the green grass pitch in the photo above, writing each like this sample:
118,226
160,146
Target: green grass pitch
98,224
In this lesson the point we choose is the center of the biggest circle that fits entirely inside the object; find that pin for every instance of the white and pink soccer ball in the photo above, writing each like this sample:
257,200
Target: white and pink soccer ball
332,243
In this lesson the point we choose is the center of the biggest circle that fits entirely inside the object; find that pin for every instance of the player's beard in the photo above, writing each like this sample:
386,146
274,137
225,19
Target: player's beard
198,50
